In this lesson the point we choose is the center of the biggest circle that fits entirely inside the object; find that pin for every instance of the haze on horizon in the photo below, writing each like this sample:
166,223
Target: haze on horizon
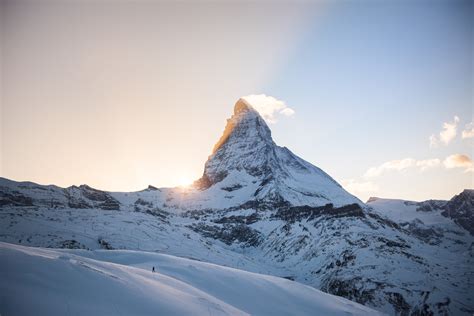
120,95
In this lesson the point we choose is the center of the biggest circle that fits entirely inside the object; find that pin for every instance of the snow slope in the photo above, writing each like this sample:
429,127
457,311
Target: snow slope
458,210
361,256
402,211
38,281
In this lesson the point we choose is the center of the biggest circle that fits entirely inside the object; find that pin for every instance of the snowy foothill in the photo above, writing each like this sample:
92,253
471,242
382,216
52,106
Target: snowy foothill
39,281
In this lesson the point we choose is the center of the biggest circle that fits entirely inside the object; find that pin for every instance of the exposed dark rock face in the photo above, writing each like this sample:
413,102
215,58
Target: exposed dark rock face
263,205
241,219
232,188
351,289
93,194
461,209
428,234
78,203
229,233
14,198
105,244
160,214
84,196
430,205
104,200
110,204
399,303
298,213
72,244
141,202
148,207
385,222
152,188
392,243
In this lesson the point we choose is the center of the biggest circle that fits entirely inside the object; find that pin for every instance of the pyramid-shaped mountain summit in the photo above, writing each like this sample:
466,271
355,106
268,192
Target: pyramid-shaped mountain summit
246,165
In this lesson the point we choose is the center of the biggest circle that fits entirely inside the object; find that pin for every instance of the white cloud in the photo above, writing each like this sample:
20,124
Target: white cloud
452,161
468,132
433,141
397,165
428,163
459,161
359,187
268,107
400,165
366,185
287,112
446,135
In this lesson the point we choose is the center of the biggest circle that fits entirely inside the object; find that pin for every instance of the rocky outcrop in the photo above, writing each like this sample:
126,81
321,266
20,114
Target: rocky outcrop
229,233
461,209
86,197
14,198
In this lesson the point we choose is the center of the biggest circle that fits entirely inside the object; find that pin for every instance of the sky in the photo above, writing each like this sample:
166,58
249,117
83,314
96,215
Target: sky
123,94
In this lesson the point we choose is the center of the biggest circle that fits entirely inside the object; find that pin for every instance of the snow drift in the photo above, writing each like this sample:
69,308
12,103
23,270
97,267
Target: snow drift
37,281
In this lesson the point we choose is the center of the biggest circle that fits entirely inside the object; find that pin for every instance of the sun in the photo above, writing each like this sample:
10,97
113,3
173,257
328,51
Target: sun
184,181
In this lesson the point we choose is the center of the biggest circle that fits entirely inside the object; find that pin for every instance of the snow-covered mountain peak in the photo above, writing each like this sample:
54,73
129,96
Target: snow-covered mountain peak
246,144
247,165
242,106
244,124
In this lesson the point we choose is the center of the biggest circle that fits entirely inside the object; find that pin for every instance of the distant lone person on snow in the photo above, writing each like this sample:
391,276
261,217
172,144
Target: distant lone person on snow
153,269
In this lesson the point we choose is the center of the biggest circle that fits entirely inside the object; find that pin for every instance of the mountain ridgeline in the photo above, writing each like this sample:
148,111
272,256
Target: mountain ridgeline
260,208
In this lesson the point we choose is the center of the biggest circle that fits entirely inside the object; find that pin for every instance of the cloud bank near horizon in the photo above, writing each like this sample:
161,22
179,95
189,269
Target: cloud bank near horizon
367,184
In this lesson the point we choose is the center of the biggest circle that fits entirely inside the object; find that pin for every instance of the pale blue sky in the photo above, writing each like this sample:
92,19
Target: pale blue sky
370,82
